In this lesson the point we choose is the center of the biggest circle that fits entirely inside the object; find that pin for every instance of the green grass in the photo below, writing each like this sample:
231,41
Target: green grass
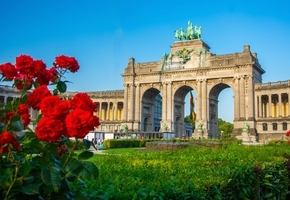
123,150
134,172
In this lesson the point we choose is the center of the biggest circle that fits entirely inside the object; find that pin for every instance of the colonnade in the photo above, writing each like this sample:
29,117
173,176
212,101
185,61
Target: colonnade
273,105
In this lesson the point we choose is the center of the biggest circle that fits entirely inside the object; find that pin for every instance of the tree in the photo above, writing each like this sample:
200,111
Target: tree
188,119
226,128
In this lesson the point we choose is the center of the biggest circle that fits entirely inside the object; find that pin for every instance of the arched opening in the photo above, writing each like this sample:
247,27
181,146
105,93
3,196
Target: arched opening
151,110
190,112
182,128
219,111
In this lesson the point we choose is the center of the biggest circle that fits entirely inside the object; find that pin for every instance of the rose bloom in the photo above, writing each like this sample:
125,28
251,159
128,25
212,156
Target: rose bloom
24,114
25,65
54,107
49,129
39,67
8,71
67,62
80,122
83,102
23,82
44,77
8,142
34,98
53,74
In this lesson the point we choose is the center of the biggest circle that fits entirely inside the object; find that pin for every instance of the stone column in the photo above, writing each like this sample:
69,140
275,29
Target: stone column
100,110
242,98
270,105
257,106
164,102
204,101
199,101
237,98
116,111
169,105
131,103
137,103
280,105
125,109
250,95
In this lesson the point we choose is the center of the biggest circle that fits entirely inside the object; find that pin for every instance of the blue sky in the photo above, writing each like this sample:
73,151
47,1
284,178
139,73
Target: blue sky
103,35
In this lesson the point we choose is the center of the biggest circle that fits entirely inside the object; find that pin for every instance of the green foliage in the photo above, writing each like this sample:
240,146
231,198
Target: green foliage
188,119
124,143
226,128
230,171
37,172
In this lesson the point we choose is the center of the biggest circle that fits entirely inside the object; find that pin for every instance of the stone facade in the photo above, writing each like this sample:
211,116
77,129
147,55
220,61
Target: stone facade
191,66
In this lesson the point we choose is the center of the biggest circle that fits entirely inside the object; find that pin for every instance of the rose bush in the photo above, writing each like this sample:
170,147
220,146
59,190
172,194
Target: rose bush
41,163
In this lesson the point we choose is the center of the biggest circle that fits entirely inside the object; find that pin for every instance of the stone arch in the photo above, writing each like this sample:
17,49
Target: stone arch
178,109
213,130
147,109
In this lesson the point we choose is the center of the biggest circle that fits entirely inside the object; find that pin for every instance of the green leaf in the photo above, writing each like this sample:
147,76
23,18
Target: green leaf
55,92
61,86
31,189
85,155
24,99
51,176
89,170
17,125
72,164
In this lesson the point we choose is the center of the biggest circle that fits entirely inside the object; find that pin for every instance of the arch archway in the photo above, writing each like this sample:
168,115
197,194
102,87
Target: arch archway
150,113
213,114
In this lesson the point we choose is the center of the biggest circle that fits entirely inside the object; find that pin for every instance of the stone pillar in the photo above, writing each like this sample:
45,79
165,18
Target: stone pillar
116,111
125,109
169,106
251,95
137,103
288,105
164,103
270,105
131,103
204,101
237,99
199,101
257,106
242,99
280,105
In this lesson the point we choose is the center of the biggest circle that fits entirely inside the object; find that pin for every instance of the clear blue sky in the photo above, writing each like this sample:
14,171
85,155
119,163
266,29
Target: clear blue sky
103,35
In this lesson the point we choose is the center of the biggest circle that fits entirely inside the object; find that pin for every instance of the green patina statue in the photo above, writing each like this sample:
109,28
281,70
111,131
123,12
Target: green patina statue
192,32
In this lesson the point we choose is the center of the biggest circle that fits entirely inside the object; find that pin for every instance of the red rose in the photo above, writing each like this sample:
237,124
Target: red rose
43,78
39,67
80,122
24,114
53,74
25,65
8,71
66,62
21,81
82,101
54,107
49,129
34,98
288,133
8,142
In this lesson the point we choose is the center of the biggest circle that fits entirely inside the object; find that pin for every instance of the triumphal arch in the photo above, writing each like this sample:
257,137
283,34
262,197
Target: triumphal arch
191,66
